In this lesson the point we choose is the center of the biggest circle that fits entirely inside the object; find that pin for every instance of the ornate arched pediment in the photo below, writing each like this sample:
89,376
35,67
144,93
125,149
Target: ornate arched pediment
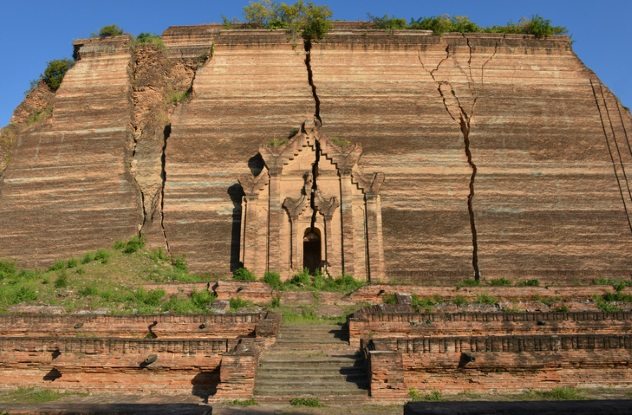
312,182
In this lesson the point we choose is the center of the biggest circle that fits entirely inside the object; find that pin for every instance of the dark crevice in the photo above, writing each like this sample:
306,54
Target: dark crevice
614,164
163,176
465,129
310,78
312,201
464,123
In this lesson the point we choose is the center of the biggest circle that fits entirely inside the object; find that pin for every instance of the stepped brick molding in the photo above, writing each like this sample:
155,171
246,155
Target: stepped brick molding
157,326
374,293
491,363
366,326
503,155
113,365
144,354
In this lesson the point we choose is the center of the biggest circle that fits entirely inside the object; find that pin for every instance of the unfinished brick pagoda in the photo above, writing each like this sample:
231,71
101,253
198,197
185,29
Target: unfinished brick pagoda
502,156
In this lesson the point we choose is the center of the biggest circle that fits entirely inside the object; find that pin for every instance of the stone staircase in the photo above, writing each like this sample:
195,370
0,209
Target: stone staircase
311,361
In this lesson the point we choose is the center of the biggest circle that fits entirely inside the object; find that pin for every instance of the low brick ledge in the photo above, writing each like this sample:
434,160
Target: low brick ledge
511,344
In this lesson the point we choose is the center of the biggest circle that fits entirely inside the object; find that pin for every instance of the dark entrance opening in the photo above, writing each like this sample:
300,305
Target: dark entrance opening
311,250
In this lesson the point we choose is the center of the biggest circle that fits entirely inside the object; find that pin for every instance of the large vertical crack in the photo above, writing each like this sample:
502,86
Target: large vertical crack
163,176
312,196
159,84
307,43
310,78
463,118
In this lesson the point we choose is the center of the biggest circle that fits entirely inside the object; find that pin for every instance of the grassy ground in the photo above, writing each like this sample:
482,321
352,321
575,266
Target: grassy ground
108,280
33,395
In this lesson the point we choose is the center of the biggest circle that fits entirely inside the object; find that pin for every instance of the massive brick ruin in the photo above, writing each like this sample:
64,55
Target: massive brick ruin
397,157
502,155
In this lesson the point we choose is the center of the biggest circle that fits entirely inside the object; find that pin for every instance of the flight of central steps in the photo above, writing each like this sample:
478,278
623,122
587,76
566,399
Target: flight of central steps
311,361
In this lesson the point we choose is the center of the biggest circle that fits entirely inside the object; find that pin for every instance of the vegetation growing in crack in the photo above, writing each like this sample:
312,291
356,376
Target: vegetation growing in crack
55,72
149,39
536,25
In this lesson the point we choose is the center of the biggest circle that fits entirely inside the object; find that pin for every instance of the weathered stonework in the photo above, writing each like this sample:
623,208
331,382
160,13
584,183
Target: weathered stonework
312,207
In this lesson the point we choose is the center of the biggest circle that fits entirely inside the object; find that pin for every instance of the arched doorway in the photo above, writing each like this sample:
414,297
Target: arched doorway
311,250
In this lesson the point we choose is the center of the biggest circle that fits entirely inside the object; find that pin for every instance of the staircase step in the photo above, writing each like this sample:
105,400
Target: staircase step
332,380
314,361
315,389
299,370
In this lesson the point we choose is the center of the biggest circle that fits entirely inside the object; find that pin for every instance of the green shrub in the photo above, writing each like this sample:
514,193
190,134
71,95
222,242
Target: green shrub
87,258
387,22
606,306
561,309
157,255
486,299
135,244
310,21
7,269
468,283
72,263
302,279
202,299
57,266
88,291
443,24
243,274
176,97
23,294
529,283
178,305
345,283
179,263
150,298
55,72
118,245
237,303
425,303
459,301
149,39
273,279
562,393
62,280
110,30
242,402
389,298
499,282
417,396
540,27
102,256
310,402
610,281
276,302
38,116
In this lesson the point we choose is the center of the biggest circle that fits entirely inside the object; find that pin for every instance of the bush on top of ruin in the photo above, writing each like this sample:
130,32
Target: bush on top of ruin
308,20
110,30
536,25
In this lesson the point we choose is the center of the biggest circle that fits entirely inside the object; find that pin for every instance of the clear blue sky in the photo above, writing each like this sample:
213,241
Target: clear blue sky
35,31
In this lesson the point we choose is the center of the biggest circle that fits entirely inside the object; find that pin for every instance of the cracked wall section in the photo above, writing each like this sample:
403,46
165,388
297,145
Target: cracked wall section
158,85
254,90
462,113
